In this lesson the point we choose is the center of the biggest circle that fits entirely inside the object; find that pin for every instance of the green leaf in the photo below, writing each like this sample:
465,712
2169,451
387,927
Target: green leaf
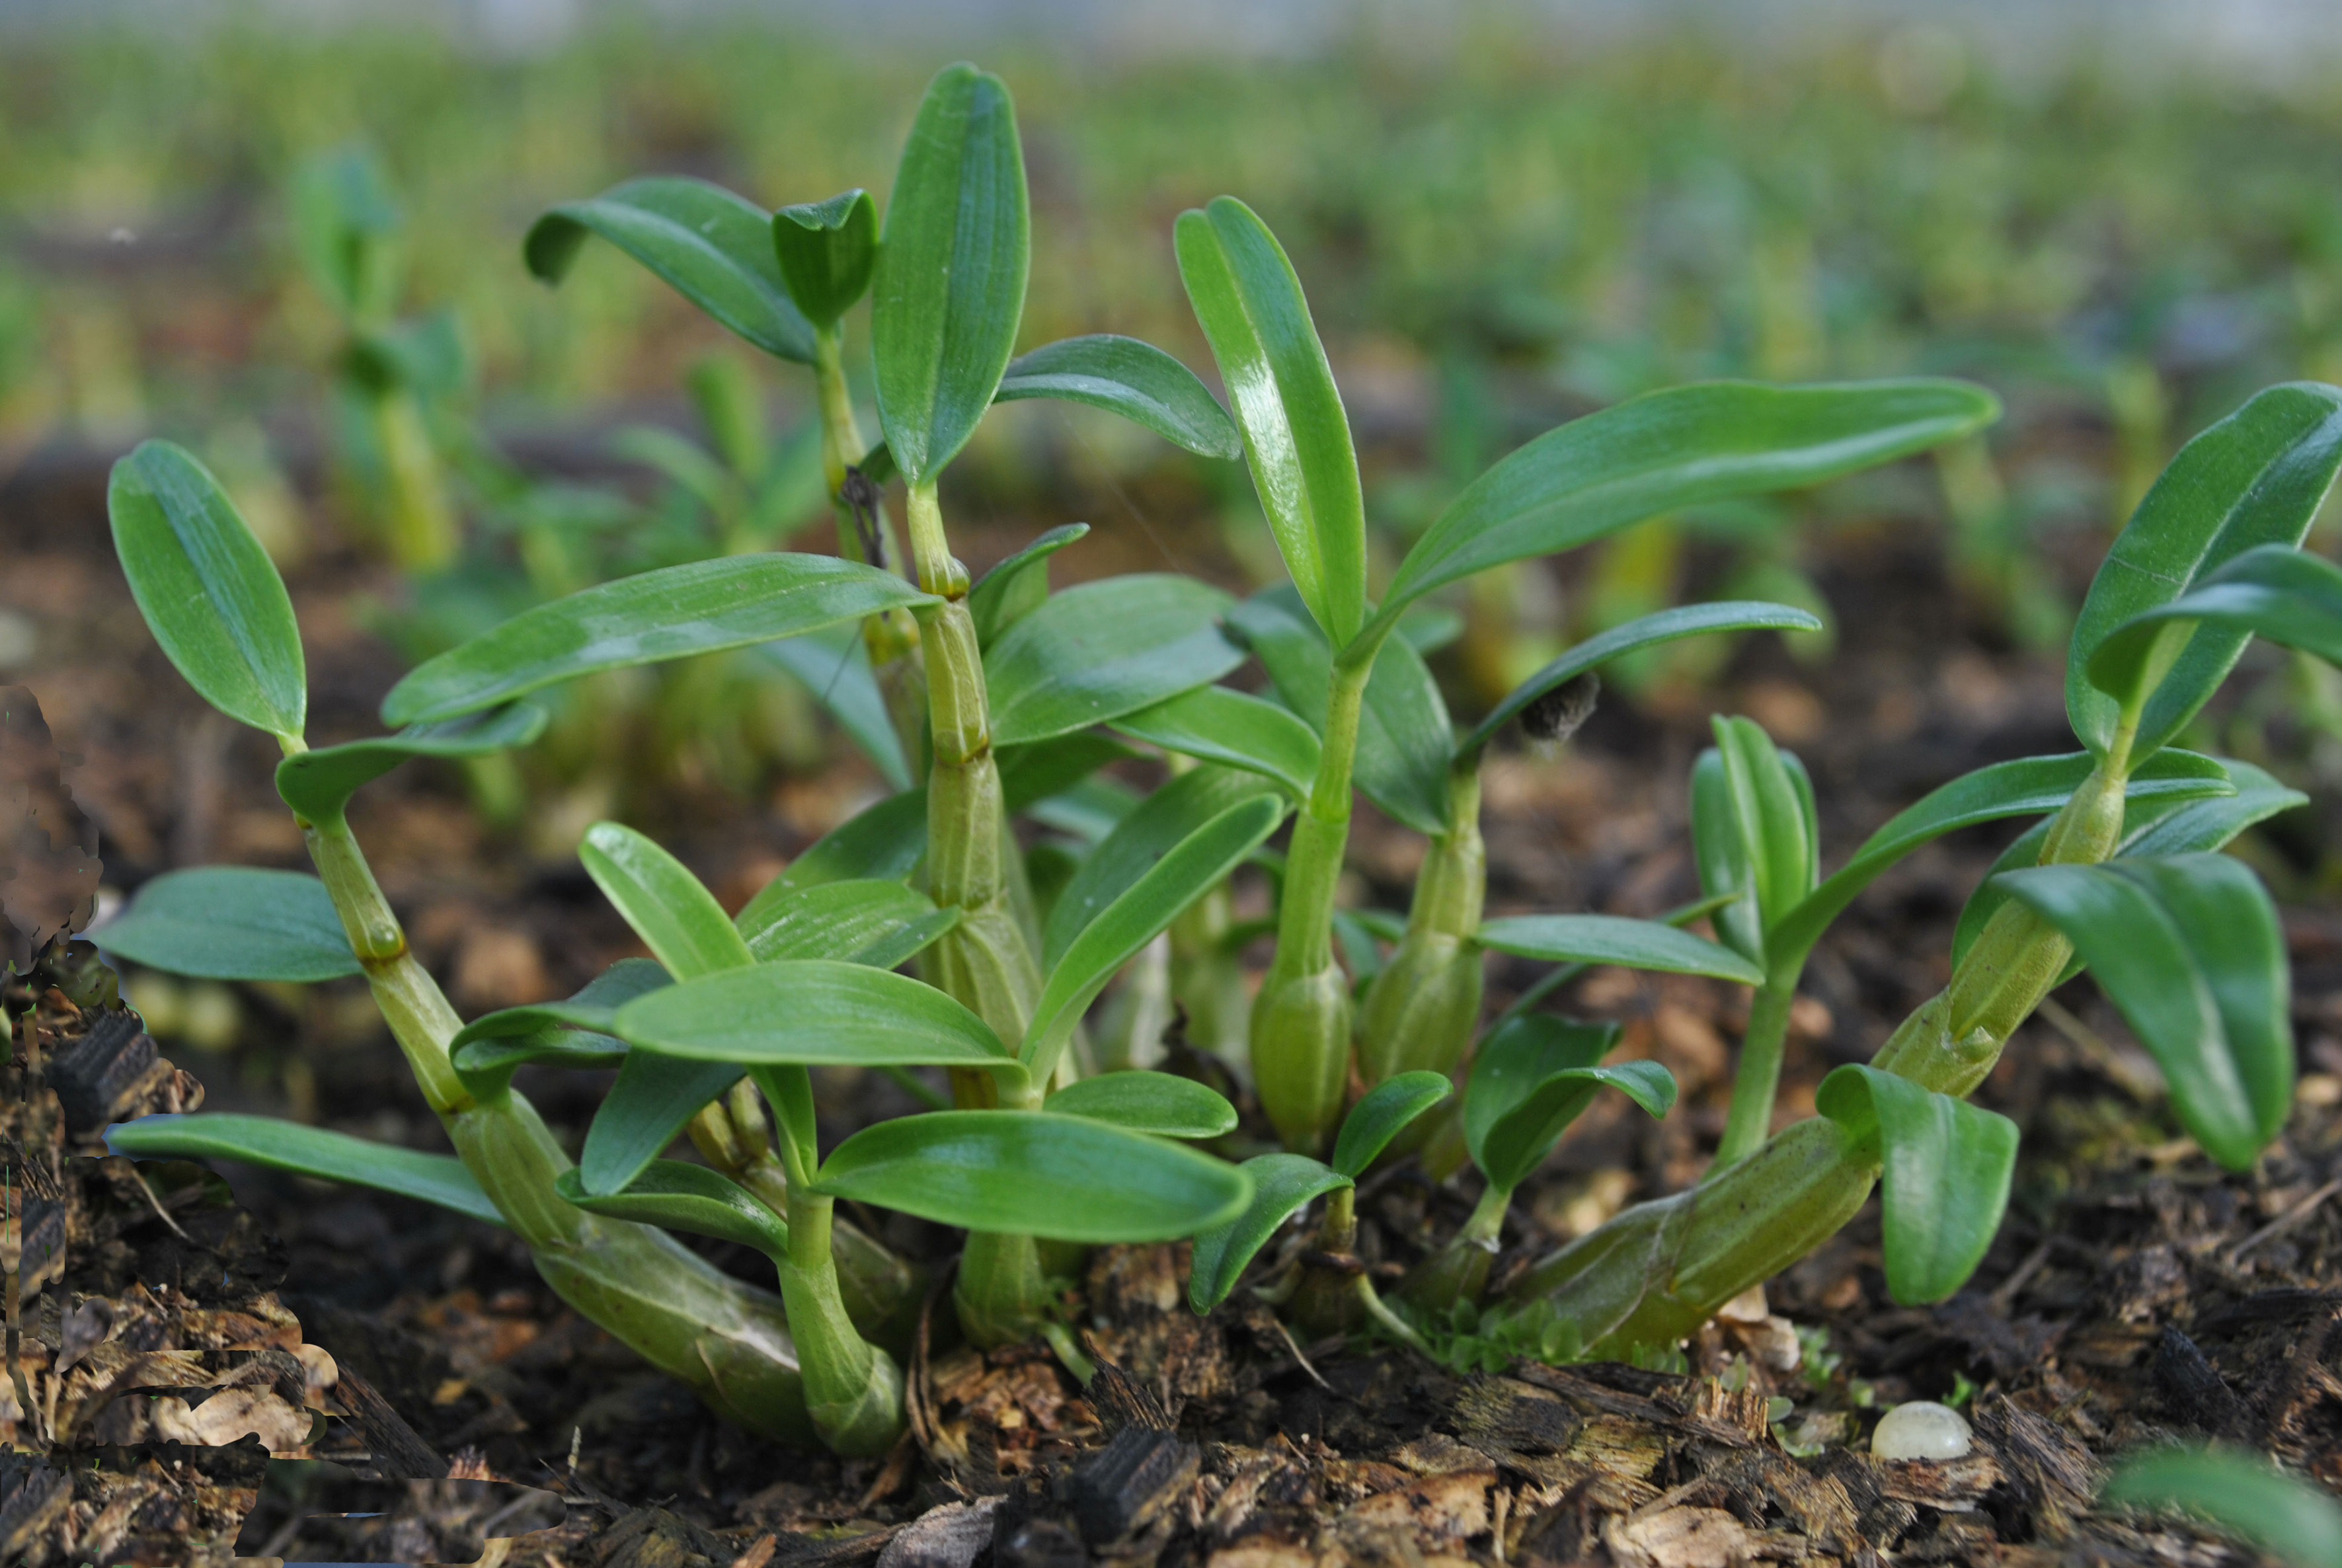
874,923
670,909
1404,738
1295,434
1428,628
1282,1186
1772,805
1614,939
487,1051
1945,1184
1163,820
2021,788
1061,1178
1532,1078
1665,451
2243,1493
1017,586
345,223
646,1109
1185,874
330,1156
698,607
2189,949
1719,843
1216,725
682,1197
1092,654
834,666
1030,774
813,1012
950,285
1133,379
317,785
232,922
1157,1102
713,248
1643,632
2271,591
2254,478
828,251
1381,1113
209,591
879,843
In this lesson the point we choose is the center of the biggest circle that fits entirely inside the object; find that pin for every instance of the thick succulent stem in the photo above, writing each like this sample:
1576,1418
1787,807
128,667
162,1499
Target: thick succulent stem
1459,1271
1421,1010
853,1389
1758,1078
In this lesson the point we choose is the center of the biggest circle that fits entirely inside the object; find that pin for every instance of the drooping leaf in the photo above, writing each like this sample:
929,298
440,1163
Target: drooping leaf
1185,874
654,1099
1016,588
813,1012
1614,939
1133,379
834,666
698,607
684,1197
1945,1184
826,252
1217,724
2273,590
2243,1493
1643,632
1165,819
2256,477
1061,1178
2021,788
950,285
1532,1078
1404,738
1282,1186
317,1152
488,1050
209,591
1297,436
317,785
1665,451
670,909
1092,654
712,247
232,922
1381,1113
879,923
1160,1102
2189,949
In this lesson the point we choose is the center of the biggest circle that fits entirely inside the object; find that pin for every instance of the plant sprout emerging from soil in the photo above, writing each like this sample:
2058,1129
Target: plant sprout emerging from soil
1002,688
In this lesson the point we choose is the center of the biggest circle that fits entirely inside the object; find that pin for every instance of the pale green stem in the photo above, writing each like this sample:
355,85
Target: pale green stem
1758,1079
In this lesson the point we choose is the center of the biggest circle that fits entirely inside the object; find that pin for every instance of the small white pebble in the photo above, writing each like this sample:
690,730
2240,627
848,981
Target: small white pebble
1921,1430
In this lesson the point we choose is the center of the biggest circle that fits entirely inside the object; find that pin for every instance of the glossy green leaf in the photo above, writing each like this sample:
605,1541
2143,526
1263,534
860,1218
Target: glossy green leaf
316,1152
1186,873
879,923
684,1197
670,909
1532,1078
1615,939
1092,654
1159,1102
1061,1178
1017,586
1405,737
1133,379
711,246
2021,788
2271,591
1643,632
826,252
1773,802
232,922
487,1051
1030,774
317,785
1163,820
698,607
209,591
1297,436
2189,950
654,1098
1217,724
2290,1518
1381,1113
813,1012
950,286
1665,451
1719,843
1945,1183
1282,1186
834,666
2254,478
879,843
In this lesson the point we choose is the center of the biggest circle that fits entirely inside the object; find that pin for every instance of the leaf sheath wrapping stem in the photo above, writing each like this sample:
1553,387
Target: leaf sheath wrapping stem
1422,1008
853,1389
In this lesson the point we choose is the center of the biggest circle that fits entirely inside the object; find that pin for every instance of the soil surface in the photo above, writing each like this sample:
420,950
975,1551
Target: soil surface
2136,1291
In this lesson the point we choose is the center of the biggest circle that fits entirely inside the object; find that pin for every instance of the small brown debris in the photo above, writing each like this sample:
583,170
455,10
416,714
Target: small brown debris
950,1536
